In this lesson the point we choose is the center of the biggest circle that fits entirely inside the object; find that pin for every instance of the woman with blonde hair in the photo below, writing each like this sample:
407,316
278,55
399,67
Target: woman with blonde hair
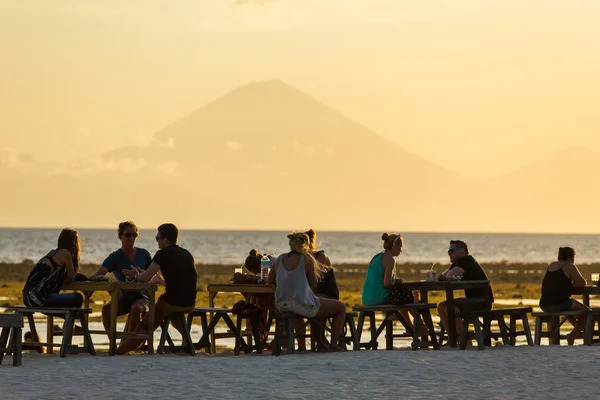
295,275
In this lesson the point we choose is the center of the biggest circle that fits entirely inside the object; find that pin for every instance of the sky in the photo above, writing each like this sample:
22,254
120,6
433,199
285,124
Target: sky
479,87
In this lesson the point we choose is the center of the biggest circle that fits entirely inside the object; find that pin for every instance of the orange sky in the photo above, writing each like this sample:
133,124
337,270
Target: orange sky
480,87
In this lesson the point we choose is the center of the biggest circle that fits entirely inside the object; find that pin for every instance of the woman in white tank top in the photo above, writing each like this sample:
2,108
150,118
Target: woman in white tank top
295,276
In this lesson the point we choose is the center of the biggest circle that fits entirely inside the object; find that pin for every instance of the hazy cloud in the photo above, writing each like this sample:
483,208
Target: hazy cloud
234,145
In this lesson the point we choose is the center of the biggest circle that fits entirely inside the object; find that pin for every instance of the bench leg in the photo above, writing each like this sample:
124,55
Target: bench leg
204,341
487,330
588,336
354,333
373,329
187,338
478,334
503,330
359,328
526,329
429,324
87,337
389,332
258,344
538,330
17,346
50,334
238,336
67,334
291,347
277,339
4,342
513,330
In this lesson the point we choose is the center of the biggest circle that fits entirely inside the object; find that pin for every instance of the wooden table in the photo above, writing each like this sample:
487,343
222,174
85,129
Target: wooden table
213,290
586,291
114,288
449,287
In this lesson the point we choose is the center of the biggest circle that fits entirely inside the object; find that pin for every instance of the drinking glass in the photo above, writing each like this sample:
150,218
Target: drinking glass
595,278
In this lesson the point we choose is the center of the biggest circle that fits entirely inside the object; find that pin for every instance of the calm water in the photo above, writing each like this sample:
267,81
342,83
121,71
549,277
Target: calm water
231,247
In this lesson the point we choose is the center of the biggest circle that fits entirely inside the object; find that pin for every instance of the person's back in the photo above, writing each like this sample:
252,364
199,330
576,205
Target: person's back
556,286
474,272
374,291
179,271
292,283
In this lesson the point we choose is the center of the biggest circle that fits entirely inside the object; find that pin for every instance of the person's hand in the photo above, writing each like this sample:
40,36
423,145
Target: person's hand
131,273
399,280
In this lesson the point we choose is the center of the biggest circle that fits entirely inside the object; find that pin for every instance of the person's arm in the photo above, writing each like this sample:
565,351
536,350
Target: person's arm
573,273
101,271
145,276
310,274
388,264
158,280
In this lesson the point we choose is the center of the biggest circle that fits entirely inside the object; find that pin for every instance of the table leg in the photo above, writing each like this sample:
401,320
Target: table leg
586,299
451,317
211,304
50,334
424,297
86,304
152,295
114,307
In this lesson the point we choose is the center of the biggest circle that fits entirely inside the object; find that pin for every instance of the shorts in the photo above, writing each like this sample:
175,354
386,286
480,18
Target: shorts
296,307
128,299
162,310
562,306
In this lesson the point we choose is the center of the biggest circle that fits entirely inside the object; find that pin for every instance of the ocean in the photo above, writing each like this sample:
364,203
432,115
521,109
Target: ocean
231,247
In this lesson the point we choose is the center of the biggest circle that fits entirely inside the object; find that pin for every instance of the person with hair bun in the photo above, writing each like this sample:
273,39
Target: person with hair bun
560,279
382,285
295,275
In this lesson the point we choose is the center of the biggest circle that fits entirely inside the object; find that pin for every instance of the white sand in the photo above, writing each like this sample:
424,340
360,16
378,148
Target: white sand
496,373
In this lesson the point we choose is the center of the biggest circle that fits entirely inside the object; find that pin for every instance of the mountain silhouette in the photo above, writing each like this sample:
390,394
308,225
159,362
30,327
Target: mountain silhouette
269,146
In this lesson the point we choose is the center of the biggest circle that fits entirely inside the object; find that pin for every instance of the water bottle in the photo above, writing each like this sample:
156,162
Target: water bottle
265,262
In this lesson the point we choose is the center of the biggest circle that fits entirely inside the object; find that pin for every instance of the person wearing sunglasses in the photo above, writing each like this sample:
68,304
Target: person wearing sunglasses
178,268
465,265
134,303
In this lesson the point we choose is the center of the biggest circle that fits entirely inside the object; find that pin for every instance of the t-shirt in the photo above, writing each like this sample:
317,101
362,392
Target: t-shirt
179,270
473,272
118,261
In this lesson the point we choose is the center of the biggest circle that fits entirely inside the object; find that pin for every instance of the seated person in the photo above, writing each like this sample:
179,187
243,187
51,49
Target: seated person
327,284
560,279
178,268
382,286
134,303
295,276
466,266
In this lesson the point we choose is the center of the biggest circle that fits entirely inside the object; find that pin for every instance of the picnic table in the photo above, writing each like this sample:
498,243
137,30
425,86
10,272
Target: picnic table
586,291
114,288
449,287
214,289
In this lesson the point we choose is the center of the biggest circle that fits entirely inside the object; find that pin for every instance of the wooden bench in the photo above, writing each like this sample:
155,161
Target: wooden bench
12,325
70,316
187,347
349,335
482,324
553,323
285,334
391,313
208,328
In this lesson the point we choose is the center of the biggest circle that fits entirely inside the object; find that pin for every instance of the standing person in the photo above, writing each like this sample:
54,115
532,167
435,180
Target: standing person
382,285
560,279
42,287
295,275
134,303
465,265
178,269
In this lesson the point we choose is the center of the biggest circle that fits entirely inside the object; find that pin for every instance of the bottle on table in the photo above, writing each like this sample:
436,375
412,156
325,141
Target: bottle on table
265,262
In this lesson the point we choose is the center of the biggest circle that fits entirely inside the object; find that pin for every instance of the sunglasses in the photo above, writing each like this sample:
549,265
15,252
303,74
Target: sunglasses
158,238
450,251
130,234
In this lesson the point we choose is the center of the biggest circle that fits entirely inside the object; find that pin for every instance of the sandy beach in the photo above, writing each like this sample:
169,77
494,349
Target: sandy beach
497,373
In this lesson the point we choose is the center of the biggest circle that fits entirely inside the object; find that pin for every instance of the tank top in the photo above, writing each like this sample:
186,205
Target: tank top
556,287
374,292
294,285
43,280
327,284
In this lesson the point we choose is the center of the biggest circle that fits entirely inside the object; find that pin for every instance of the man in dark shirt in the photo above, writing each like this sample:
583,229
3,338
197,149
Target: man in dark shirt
178,269
466,266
